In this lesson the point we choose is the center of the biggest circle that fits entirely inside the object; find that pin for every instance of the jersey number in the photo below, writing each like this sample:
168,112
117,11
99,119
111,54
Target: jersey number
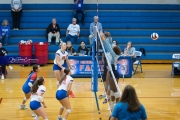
64,81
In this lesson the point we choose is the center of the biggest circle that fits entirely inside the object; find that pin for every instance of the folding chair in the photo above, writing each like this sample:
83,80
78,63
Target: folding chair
175,64
138,61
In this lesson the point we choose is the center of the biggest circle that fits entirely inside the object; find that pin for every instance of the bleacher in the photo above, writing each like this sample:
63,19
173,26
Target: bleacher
126,22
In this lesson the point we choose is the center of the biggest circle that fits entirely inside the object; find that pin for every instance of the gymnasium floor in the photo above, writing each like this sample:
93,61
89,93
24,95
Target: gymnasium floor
156,89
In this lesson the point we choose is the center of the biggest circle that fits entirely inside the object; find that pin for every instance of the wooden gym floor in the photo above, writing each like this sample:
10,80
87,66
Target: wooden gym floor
156,89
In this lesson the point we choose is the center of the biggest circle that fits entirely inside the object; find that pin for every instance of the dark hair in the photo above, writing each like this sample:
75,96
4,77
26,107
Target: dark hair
82,41
71,48
66,71
36,84
35,67
117,50
129,95
116,42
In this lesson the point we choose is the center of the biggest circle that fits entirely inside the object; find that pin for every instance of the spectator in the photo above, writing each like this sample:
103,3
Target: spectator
82,50
115,42
129,107
4,32
79,8
73,31
92,25
3,62
16,11
53,30
130,51
70,49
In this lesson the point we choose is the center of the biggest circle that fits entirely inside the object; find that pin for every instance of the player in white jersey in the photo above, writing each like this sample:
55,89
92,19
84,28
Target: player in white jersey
37,92
59,61
62,94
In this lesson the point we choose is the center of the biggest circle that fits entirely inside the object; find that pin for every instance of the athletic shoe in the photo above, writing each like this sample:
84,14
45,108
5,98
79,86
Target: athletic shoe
34,115
14,28
102,96
10,67
2,77
17,29
105,101
59,118
23,107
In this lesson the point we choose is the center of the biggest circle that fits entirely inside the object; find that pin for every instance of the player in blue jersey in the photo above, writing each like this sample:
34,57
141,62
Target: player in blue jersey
112,56
28,84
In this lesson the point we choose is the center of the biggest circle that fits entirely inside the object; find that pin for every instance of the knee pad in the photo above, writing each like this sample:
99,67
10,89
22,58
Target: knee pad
68,110
112,93
117,95
25,99
62,107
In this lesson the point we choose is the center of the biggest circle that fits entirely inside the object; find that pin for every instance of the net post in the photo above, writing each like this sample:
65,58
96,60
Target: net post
94,84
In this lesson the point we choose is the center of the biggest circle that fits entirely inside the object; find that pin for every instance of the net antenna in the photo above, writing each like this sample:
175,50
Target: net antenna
108,62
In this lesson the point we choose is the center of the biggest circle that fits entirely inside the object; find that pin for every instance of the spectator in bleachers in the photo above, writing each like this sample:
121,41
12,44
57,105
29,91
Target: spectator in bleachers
73,31
79,8
3,62
130,51
53,30
129,107
99,26
115,42
4,32
70,49
16,11
82,50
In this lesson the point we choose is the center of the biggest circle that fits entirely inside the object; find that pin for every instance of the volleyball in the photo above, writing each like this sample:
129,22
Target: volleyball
154,36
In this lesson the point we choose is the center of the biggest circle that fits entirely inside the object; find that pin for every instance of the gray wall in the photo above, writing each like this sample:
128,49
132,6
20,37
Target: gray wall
100,1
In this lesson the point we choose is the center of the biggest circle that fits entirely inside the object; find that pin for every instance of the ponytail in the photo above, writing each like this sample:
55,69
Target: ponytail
35,67
36,84
66,71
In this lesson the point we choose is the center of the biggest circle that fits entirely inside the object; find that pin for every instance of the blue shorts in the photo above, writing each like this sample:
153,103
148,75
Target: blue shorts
26,89
34,105
61,94
56,67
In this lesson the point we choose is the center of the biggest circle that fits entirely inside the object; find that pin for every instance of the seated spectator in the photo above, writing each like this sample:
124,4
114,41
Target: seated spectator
73,31
115,42
129,107
130,51
16,12
79,8
70,49
4,32
92,25
53,31
82,50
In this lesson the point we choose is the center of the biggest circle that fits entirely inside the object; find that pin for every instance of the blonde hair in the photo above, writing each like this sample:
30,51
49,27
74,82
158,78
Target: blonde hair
5,21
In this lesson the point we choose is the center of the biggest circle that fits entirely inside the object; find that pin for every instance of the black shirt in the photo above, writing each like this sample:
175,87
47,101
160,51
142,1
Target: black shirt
81,50
70,50
3,50
53,29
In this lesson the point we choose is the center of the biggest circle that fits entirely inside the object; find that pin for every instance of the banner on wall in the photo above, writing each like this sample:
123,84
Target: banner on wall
84,67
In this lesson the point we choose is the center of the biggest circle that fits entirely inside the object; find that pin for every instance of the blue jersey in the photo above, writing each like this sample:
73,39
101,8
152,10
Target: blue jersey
79,5
121,112
31,78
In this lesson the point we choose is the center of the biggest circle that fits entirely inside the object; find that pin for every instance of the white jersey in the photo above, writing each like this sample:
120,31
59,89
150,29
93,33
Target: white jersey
62,56
65,83
41,89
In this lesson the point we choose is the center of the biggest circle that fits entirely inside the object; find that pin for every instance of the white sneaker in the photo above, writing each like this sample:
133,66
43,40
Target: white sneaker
14,28
34,115
23,107
58,118
2,77
36,118
10,67
17,29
